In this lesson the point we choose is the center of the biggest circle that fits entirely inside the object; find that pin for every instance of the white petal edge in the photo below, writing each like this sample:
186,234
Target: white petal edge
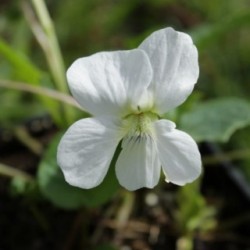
138,165
86,150
174,59
106,83
179,154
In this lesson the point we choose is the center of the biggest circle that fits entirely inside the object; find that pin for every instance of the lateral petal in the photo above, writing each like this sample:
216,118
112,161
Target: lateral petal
178,152
106,83
86,150
174,60
138,164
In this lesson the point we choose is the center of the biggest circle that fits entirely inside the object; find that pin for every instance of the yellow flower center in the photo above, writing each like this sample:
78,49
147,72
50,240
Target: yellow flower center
139,125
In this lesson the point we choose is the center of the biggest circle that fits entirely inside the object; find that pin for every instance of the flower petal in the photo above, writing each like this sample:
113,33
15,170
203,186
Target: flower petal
86,150
178,153
138,165
174,59
107,82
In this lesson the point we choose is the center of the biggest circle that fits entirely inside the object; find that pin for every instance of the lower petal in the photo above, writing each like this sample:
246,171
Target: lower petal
138,164
178,153
86,150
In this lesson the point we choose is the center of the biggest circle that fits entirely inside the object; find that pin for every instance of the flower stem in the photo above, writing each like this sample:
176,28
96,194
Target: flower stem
126,208
14,172
54,94
31,143
124,213
45,34
232,155
53,53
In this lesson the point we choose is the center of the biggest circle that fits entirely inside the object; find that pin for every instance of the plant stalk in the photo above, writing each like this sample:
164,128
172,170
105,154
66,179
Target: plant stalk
14,172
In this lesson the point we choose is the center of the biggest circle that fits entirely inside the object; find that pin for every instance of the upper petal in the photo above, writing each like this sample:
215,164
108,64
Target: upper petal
86,150
179,155
107,82
138,164
174,60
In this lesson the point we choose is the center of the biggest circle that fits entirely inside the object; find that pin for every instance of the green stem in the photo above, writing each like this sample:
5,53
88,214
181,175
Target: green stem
53,53
126,209
39,91
124,213
14,172
232,155
31,143
46,36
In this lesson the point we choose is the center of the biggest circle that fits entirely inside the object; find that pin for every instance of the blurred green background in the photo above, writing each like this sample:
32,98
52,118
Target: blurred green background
218,111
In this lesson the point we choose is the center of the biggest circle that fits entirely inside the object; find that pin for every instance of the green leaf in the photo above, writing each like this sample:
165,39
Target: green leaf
58,191
216,120
22,69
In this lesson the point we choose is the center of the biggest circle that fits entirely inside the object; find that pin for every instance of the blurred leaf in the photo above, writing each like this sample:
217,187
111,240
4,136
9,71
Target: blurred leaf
23,70
241,141
20,186
204,218
10,114
216,120
193,212
175,114
59,192
210,33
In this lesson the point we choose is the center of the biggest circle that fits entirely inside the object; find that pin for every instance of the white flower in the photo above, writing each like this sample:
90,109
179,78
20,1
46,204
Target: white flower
127,92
